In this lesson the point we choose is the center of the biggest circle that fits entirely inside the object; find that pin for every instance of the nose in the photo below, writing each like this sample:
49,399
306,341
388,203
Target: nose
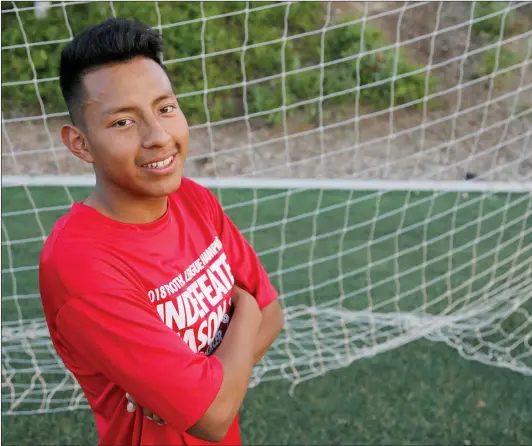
155,135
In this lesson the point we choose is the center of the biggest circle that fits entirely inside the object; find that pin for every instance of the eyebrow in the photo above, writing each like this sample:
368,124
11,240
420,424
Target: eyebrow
128,108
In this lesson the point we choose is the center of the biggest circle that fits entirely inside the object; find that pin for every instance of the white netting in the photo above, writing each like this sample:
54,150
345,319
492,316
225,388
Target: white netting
406,106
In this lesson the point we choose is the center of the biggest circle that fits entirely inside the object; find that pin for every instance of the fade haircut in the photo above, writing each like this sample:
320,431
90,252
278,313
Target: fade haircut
112,41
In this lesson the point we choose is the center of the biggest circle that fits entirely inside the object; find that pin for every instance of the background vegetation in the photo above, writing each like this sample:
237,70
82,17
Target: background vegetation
274,58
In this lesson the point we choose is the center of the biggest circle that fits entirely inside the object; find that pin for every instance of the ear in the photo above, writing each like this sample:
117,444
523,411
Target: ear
76,142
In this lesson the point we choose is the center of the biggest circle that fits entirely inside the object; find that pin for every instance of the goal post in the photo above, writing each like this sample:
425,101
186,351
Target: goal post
376,155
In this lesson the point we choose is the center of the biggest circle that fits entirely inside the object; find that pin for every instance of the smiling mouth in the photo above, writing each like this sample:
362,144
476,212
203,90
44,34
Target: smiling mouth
160,164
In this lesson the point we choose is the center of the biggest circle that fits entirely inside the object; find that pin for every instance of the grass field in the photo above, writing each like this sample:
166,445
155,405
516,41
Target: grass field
391,252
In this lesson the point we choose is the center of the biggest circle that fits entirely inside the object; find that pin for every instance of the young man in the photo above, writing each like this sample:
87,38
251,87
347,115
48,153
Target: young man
149,289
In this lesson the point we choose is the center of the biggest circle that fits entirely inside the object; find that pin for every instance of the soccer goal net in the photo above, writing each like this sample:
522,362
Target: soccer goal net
377,156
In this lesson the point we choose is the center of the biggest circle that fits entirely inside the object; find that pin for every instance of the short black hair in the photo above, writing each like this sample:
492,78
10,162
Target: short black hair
110,41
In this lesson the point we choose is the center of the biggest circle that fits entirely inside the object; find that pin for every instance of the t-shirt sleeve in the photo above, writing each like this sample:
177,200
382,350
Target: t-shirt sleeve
119,334
244,261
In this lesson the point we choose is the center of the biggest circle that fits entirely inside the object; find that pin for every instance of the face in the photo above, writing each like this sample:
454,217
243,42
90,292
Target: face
134,132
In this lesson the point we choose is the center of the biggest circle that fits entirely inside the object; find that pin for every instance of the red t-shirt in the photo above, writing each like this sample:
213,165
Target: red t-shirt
115,295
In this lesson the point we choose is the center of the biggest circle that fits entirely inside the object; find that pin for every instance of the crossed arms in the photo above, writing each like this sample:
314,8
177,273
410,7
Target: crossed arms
271,323
248,337
94,327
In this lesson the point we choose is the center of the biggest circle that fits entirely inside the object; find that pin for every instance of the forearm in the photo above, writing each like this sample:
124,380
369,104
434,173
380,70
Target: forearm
264,341
270,327
236,353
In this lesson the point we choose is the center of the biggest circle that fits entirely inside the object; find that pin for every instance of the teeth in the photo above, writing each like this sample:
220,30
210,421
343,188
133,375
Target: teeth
160,164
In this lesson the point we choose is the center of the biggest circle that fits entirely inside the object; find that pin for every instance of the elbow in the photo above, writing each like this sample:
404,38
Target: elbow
213,427
221,425
219,434
212,435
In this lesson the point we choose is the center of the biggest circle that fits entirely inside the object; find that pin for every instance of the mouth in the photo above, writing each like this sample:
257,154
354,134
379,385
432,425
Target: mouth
167,166
160,164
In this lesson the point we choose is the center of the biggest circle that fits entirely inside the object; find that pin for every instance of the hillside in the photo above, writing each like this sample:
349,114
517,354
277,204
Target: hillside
435,114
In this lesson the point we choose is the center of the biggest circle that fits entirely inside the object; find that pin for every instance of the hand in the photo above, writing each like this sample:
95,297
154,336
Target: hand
240,298
132,406
240,295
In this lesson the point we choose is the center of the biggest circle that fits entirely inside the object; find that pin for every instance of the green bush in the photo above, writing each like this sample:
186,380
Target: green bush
491,26
486,64
223,41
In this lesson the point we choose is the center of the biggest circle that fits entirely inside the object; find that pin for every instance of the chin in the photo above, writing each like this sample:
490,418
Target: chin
165,187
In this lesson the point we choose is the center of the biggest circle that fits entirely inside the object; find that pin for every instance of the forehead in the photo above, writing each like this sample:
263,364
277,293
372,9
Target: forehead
135,80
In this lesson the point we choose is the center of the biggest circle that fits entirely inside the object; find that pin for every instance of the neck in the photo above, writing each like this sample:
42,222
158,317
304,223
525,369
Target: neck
115,203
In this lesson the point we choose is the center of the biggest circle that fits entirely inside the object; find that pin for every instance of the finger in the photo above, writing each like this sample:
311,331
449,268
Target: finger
158,420
131,404
131,400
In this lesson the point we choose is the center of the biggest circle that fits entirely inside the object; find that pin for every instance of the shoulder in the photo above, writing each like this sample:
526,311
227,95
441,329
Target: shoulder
67,235
71,235
75,259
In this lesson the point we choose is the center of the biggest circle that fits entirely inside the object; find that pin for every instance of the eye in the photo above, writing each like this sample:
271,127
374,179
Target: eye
122,123
168,109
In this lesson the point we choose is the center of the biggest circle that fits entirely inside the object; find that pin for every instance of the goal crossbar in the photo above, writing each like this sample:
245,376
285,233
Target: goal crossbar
293,183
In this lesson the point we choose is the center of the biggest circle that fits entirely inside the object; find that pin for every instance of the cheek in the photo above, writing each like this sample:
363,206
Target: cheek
177,125
180,132
116,149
